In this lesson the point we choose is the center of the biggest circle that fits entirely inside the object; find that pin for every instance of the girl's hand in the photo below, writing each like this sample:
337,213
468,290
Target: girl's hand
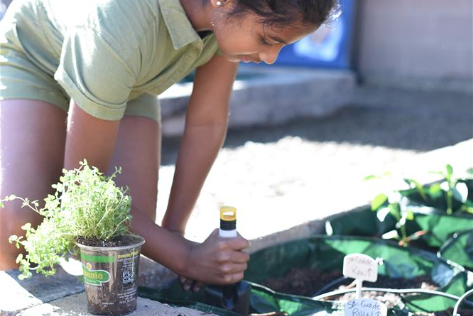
217,260
188,284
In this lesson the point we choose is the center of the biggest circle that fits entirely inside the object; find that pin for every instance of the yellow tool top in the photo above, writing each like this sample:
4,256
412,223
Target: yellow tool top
227,213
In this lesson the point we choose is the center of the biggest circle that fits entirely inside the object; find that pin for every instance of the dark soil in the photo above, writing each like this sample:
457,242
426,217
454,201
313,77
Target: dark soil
310,282
119,241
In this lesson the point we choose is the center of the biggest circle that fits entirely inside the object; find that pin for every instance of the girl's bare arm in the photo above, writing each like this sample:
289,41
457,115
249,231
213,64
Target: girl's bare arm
206,126
213,261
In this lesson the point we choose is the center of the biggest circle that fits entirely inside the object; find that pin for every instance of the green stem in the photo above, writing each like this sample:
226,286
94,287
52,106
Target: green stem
449,202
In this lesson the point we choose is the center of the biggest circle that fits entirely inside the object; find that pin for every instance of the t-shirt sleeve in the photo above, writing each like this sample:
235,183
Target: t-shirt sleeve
94,74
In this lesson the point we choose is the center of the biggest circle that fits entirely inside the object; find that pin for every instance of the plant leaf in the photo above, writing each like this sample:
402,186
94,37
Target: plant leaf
435,191
449,169
460,192
395,197
393,234
382,213
469,209
370,177
378,201
19,258
444,186
418,186
394,210
27,226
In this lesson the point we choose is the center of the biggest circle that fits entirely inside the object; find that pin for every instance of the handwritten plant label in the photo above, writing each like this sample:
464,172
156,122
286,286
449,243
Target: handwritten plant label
365,307
361,267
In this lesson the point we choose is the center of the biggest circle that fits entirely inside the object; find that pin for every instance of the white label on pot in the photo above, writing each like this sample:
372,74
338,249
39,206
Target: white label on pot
365,307
360,266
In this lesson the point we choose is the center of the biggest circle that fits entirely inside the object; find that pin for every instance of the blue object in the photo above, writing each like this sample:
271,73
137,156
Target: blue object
328,47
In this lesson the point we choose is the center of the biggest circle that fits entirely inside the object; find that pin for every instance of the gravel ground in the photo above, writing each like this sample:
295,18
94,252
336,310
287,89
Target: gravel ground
282,176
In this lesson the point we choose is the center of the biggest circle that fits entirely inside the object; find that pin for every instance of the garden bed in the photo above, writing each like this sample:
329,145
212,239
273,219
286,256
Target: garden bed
312,282
286,268
325,255
304,277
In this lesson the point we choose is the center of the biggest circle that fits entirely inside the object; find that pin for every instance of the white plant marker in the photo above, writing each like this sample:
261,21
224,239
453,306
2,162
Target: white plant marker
365,307
362,268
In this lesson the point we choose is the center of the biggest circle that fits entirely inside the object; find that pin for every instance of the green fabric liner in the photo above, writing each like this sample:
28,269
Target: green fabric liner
438,225
263,300
459,249
327,253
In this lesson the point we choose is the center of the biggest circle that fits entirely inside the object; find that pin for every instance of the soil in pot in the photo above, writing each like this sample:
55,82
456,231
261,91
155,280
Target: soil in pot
110,274
114,242
310,282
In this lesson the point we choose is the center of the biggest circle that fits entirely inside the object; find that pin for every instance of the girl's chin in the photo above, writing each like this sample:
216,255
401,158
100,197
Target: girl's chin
232,58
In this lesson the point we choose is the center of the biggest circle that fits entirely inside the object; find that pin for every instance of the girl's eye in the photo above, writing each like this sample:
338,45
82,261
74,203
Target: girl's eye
264,42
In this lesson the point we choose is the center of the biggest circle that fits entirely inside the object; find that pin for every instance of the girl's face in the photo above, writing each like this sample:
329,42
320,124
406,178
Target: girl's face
249,40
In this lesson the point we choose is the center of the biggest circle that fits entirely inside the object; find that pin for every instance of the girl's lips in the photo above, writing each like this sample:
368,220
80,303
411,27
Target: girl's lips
245,59
248,59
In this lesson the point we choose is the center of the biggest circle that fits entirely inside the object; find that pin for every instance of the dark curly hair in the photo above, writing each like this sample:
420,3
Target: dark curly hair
282,13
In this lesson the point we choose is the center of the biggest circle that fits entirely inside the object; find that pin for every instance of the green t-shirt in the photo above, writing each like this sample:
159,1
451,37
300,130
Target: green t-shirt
106,52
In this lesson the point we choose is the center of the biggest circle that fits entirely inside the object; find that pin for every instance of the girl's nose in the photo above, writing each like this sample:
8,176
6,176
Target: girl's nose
270,55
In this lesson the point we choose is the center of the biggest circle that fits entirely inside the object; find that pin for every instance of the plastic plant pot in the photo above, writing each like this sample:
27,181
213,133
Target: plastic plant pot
111,276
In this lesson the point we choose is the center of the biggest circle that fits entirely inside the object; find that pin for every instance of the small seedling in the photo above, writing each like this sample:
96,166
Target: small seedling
396,202
452,189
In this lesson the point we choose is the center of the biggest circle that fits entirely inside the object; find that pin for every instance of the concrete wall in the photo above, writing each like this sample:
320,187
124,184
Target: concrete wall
415,39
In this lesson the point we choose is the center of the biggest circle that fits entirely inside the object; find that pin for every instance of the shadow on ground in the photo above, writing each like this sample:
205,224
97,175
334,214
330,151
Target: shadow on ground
412,120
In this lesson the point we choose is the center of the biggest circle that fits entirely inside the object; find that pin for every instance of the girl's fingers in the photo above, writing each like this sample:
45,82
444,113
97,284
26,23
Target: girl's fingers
240,257
233,278
229,269
197,286
187,285
238,243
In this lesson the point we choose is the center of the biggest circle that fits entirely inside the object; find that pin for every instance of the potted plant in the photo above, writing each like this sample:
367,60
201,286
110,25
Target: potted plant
88,212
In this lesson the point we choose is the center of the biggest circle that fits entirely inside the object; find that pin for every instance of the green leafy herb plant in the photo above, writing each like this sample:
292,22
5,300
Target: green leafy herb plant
86,205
